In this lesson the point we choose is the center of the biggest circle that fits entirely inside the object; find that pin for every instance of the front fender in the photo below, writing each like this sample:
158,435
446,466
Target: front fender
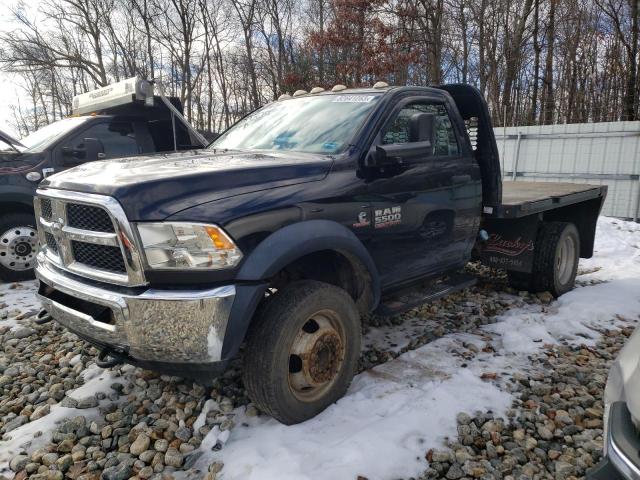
299,239
276,252
22,195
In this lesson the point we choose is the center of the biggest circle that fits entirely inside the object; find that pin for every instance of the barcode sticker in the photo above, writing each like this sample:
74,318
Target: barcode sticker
353,98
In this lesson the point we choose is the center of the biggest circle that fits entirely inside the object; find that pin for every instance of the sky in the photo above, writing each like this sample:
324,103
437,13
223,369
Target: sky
9,88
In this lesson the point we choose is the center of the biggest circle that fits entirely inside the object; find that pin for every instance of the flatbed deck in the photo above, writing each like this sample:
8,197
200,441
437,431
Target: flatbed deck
520,199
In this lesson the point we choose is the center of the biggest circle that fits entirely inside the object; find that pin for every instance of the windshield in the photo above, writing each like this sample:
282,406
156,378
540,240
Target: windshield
41,139
5,146
313,124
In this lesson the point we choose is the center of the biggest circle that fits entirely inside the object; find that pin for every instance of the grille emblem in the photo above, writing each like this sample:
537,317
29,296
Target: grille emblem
58,235
56,230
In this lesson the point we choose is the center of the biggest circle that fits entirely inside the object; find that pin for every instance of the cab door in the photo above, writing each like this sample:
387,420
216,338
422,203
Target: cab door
421,210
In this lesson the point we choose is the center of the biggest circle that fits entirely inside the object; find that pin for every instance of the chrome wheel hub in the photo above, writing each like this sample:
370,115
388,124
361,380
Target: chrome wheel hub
565,259
18,248
316,356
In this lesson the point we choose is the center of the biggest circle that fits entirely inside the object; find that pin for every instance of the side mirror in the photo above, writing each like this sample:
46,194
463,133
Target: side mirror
395,154
92,149
421,127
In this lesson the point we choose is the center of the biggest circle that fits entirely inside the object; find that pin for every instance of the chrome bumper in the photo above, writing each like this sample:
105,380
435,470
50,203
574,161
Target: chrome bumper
177,326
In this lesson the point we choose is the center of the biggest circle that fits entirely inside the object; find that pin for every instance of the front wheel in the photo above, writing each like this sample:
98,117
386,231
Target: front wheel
18,246
303,351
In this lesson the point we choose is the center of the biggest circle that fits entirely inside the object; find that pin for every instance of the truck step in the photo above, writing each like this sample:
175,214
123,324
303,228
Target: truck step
406,299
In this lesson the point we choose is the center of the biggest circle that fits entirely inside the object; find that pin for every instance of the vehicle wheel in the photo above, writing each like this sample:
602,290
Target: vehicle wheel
18,246
555,262
302,351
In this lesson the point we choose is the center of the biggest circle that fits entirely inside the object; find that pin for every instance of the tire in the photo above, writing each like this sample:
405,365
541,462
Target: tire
18,246
321,322
555,261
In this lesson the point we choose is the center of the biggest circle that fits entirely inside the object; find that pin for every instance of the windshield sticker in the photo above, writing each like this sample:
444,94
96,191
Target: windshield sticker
387,217
353,98
329,146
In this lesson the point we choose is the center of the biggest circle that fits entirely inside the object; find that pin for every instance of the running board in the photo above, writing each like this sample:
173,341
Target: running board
403,300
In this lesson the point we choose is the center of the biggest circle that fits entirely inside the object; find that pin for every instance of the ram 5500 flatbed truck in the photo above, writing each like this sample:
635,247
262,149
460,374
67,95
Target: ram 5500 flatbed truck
304,216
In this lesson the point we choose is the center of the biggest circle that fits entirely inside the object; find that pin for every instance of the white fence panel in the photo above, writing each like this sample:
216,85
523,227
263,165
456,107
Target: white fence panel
596,153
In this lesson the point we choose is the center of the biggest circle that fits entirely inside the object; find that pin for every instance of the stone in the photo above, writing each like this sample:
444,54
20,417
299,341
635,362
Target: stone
118,472
173,458
251,411
147,456
15,423
183,433
19,462
65,446
23,332
161,445
69,402
463,419
454,472
63,463
40,412
140,444
146,472
49,459
88,402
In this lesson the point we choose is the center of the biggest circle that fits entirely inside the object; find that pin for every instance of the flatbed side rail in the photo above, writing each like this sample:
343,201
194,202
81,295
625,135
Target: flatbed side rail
524,208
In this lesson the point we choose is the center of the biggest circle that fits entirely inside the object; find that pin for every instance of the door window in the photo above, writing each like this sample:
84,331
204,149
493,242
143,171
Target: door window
118,138
445,138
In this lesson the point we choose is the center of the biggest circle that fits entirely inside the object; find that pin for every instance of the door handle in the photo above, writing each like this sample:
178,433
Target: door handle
458,179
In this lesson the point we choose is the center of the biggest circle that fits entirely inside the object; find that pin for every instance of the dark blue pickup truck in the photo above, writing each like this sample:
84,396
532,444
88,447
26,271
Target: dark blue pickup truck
307,214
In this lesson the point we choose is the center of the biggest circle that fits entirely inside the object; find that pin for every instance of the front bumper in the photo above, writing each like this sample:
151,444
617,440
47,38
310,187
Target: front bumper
180,332
623,447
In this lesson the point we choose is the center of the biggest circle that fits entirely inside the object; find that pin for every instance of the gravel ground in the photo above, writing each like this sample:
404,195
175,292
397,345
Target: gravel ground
553,431
129,423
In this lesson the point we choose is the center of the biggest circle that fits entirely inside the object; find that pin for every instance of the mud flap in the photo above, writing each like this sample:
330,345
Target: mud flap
511,243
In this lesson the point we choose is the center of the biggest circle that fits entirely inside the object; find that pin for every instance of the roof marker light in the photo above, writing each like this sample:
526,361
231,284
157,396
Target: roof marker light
315,90
299,93
338,88
284,96
380,85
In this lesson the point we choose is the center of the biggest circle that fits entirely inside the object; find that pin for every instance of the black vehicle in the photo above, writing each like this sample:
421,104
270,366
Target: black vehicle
120,130
298,220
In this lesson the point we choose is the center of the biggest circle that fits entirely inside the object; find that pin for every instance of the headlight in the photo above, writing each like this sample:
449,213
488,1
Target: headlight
187,245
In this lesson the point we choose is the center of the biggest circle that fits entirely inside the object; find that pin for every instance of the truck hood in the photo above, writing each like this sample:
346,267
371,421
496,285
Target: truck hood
155,187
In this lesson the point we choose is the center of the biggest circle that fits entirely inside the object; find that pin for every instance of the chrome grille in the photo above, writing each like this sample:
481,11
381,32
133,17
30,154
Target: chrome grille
87,217
104,257
51,242
45,205
89,235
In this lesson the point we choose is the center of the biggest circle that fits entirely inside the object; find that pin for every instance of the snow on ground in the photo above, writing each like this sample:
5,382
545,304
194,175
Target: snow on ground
395,412
36,434
16,299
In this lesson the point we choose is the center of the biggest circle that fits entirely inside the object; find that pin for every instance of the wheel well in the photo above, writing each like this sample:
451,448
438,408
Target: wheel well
16,207
334,267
